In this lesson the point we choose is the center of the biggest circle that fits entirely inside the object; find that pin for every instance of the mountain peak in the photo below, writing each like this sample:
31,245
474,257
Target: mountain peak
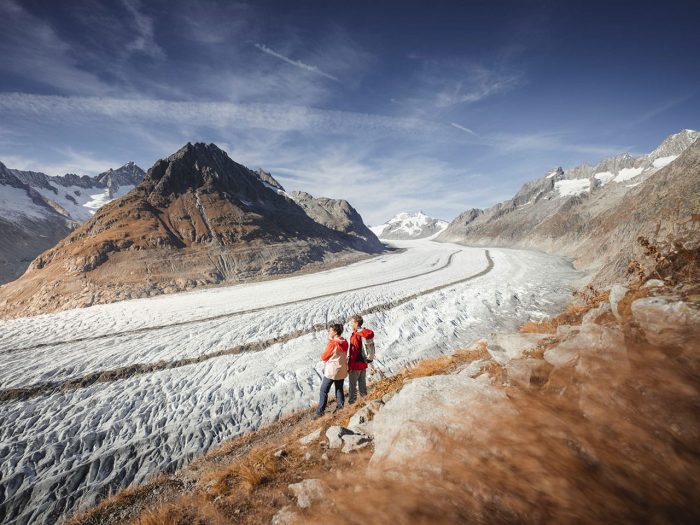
675,144
409,225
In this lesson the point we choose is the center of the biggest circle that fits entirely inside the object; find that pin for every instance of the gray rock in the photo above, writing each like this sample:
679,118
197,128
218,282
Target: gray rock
307,492
591,315
474,369
362,417
285,516
667,321
335,436
653,283
617,293
527,372
311,437
504,347
561,355
353,442
567,329
412,422
592,338
280,453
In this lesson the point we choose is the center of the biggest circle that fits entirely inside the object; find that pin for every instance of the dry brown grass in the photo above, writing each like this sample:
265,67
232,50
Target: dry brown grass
585,301
193,510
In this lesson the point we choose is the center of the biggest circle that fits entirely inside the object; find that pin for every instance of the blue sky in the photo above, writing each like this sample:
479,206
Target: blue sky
438,106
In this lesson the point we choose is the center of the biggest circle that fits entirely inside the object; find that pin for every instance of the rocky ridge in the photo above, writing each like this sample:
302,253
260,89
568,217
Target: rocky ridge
595,213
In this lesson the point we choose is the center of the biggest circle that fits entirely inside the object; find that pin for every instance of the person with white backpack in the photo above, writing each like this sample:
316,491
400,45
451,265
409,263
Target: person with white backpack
360,355
335,369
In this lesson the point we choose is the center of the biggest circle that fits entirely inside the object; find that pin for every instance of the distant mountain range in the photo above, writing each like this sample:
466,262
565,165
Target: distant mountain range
38,210
594,213
408,225
197,218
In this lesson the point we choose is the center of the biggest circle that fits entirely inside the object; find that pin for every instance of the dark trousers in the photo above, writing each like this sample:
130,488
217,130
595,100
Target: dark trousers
325,388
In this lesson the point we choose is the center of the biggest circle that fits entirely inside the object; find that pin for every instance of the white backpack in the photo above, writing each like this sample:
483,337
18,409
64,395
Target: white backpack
367,350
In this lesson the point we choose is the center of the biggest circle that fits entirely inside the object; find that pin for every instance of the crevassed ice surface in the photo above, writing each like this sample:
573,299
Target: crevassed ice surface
63,451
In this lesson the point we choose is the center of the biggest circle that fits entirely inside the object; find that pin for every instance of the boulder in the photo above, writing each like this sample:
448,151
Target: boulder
307,492
617,293
413,422
567,329
504,347
353,442
528,372
653,283
360,419
594,313
667,321
591,339
335,435
311,437
475,368
346,439
285,516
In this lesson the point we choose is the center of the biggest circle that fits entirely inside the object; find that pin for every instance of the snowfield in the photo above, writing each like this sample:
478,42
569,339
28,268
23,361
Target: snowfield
61,450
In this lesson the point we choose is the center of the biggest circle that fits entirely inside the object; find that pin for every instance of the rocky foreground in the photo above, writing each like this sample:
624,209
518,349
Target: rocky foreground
588,417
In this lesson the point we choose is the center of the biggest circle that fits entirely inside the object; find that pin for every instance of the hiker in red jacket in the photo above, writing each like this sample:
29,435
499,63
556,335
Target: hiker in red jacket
335,369
356,363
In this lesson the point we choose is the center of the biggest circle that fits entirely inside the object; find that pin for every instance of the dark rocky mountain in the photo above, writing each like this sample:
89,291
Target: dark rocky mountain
198,218
595,213
128,175
338,215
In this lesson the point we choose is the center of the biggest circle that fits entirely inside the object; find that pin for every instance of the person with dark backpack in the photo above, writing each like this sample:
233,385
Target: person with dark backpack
361,353
335,369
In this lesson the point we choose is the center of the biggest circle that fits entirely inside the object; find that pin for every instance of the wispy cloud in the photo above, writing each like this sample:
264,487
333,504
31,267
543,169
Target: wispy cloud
543,142
145,39
63,161
276,117
31,49
296,63
467,130
660,109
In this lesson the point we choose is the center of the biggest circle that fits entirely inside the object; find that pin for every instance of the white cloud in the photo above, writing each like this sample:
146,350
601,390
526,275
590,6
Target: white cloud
547,141
296,63
467,130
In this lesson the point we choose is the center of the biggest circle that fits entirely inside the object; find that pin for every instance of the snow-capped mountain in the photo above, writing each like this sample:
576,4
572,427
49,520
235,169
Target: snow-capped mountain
28,225
38,210
81,196
590,212
408,225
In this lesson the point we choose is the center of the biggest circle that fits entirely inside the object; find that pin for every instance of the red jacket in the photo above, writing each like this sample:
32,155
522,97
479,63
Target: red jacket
355,360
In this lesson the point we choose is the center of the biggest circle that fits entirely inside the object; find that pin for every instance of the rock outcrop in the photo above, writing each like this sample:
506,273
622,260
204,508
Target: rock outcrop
338,215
